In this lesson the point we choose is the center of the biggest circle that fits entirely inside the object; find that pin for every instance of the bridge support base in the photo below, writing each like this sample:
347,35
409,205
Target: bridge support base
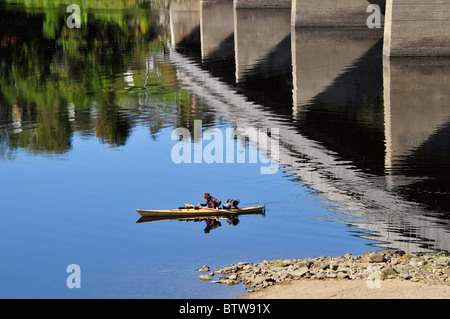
261,4
417,28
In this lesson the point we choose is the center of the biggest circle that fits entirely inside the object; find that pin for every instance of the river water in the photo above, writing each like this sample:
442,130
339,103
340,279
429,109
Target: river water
356,156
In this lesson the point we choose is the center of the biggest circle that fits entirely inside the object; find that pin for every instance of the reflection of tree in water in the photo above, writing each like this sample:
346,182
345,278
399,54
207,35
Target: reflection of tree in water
52,133
112,126
55,81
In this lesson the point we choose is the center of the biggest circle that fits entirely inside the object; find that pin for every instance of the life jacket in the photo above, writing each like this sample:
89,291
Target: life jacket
213,202
214,223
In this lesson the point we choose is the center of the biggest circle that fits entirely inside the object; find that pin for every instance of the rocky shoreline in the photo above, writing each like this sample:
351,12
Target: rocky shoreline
433,269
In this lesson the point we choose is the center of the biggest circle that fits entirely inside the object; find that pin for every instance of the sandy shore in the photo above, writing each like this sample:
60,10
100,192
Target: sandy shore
351,289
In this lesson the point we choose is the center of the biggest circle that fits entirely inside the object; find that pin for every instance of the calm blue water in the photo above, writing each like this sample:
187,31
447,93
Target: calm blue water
80,208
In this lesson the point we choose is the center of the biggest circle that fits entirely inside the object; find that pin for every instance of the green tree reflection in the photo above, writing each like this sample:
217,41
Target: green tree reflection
96,80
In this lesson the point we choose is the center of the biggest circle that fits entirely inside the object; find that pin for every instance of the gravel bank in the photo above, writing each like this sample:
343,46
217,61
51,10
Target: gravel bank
382,269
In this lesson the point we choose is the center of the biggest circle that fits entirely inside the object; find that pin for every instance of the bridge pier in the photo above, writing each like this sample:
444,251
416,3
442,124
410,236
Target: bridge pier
255,36
184,19
417,28
319,57
260,4
216,24
416,99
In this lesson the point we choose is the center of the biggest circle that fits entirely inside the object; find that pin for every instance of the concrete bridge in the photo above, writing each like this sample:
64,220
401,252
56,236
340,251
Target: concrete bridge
379,212
411,27
318,59
321,60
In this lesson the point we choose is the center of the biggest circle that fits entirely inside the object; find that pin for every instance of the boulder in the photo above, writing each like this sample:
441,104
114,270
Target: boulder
443,261
376,257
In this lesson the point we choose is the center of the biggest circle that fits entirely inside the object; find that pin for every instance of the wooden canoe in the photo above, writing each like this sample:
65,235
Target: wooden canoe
190,211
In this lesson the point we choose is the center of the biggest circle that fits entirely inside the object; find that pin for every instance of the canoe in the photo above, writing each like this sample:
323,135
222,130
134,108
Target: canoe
190,211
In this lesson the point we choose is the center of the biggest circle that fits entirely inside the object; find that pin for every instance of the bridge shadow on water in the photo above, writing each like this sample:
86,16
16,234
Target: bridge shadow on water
335,92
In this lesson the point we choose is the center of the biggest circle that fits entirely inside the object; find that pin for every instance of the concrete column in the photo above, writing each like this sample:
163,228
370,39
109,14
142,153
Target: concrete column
330,13
216,23
417,28
319,56
261,4
184,18
416,104
256,33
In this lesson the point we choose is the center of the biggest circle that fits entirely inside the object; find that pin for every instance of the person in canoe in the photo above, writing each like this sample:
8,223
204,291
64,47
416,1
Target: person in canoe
211,201
211,223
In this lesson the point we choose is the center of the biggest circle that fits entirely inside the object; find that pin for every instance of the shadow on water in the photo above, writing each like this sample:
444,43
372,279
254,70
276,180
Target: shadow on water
212,221
335,89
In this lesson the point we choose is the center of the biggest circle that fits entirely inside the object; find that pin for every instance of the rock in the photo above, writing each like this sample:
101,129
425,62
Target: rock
299,272
232,277
442,253
376,257
415,267
342,275
394,261
318,263
414,262
390,271
286,262
276,269
284,274
443,261
391,252
205,268
256,270
305,263
228,282
405,274
232,268
325,265
204,278
247,267
258,280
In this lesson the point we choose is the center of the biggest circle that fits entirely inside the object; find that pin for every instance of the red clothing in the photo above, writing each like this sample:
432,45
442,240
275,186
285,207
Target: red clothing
212,202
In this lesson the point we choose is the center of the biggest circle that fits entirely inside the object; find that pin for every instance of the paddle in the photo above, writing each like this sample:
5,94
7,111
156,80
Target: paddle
207,208
189,207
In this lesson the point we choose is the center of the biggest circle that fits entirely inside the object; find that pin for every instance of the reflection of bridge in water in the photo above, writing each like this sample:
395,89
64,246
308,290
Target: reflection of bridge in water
327,76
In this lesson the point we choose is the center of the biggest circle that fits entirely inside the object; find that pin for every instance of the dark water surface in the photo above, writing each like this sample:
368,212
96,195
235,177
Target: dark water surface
87,118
